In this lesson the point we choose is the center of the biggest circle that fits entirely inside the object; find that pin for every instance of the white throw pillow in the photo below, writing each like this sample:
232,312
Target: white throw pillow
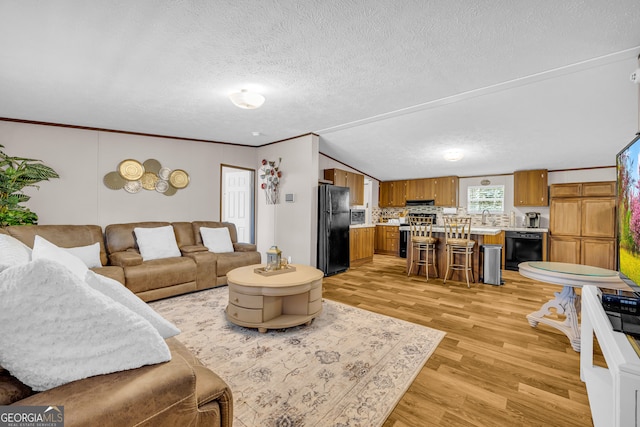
42,248
55,329
89,254
157,242
216,239
119,293
13,252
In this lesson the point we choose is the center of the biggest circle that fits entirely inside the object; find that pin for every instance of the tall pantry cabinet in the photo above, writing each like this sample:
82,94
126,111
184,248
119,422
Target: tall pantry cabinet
582,224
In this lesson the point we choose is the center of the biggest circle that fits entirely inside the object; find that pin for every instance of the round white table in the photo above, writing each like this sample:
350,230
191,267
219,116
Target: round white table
566,302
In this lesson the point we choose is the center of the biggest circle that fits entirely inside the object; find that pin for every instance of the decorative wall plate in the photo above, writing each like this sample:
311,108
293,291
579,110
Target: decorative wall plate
131,169
162,186
152,165
133,186
171,190
149,180
114,181
164,173
179,178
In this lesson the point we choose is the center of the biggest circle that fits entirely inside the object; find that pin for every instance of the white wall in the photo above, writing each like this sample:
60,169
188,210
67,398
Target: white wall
291,226
83,157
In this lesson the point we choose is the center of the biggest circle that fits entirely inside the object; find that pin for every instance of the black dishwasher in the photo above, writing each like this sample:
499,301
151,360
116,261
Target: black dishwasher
521,246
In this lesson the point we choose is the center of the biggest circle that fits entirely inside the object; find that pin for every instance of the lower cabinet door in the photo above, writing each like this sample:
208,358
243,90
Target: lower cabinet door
599,253
564,249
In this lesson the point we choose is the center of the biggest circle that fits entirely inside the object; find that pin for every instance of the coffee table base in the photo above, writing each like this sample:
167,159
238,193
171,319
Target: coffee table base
567,303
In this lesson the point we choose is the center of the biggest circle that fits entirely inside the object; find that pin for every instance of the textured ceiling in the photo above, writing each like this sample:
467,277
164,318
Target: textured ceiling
388,85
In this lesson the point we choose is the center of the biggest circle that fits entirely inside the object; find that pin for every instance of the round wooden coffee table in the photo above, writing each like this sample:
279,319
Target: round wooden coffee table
274,302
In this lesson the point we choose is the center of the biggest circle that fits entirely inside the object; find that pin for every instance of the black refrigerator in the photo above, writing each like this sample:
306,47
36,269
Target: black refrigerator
333,229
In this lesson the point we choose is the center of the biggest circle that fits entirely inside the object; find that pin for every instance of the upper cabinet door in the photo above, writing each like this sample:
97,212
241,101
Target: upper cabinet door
565,216
599,217
420,189
446,191
530,188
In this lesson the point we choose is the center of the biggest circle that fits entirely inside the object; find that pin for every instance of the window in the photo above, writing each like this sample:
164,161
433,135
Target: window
489,197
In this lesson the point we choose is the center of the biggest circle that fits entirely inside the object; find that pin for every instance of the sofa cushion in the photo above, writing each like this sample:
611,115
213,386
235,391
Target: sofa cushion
89,254
120,237
229,261
13,252
160,273
63,236
216,239
156,242
44,249
213,224
73,332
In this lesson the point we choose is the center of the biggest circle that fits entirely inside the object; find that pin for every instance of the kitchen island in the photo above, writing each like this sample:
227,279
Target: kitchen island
477,234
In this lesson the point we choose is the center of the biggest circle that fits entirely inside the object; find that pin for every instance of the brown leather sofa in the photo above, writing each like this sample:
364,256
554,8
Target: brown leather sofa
181,392
68,236
196,269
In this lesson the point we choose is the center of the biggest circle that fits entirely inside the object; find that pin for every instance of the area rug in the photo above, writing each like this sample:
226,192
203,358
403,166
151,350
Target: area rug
350,367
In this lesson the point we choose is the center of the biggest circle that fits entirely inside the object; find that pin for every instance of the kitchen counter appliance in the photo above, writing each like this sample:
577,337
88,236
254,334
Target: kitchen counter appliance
532,219
521,246
358,216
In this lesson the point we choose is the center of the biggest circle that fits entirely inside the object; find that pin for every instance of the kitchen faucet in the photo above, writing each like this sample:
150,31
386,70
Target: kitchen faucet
484,218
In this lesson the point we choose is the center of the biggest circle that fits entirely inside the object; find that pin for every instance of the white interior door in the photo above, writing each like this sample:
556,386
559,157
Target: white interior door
237,201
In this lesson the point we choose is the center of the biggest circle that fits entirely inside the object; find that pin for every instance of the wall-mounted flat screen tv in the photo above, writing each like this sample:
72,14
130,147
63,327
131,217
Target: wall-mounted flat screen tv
628,213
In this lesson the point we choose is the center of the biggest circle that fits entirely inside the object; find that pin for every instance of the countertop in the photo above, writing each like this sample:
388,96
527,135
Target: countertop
480,229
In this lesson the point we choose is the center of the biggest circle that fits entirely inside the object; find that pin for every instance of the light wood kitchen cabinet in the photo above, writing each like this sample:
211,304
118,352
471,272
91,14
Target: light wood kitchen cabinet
442,190
446,191
353,181
392,194
361,244
564,249
582,224
421,189
598,252
530,188
387,239
584,189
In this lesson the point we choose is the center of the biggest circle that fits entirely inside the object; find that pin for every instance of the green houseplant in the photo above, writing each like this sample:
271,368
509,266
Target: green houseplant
16,173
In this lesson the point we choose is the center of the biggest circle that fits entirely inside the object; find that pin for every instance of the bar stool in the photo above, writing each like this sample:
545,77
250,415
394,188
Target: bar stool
423,243
458,242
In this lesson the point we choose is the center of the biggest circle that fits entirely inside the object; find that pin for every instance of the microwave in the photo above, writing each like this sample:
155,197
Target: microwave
358,216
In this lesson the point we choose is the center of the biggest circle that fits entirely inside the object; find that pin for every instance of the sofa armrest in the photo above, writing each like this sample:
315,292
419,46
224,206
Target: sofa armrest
125,258
206,268
193,249
179,392
244,247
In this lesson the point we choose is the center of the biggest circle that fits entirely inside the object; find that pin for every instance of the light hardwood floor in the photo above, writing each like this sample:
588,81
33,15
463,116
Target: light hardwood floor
492,368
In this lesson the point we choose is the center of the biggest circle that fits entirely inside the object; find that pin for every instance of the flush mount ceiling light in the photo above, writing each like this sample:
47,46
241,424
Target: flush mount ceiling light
453,155
247,100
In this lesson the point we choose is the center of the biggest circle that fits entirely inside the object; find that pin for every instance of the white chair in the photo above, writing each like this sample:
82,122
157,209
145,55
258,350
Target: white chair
459,243
422,247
